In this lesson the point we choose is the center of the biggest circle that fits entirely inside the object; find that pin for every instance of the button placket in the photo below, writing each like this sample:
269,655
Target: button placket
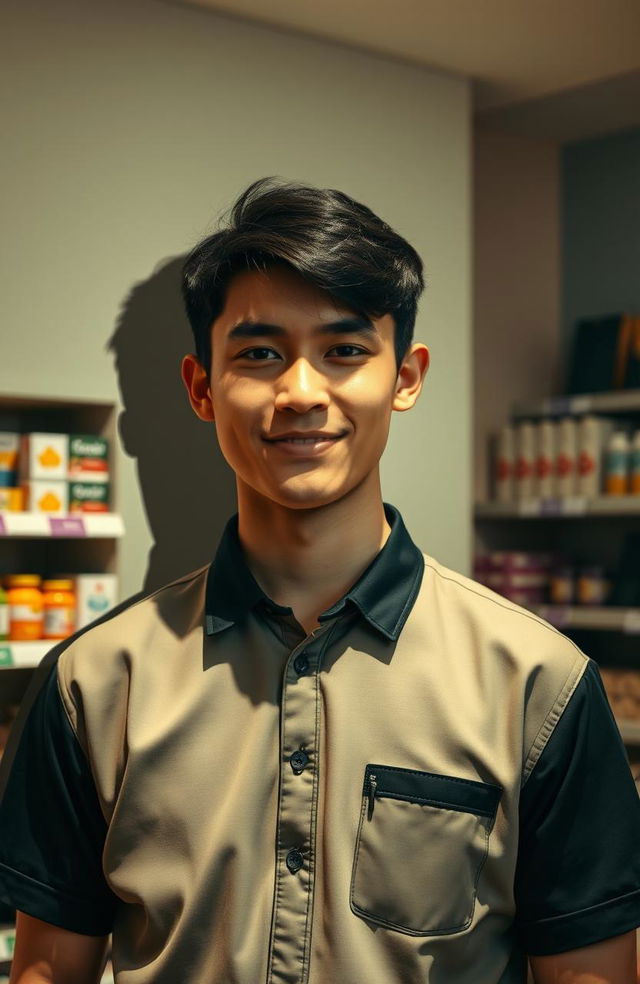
291,924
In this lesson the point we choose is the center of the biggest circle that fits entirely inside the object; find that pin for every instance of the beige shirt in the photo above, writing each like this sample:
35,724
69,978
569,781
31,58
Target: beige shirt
333,808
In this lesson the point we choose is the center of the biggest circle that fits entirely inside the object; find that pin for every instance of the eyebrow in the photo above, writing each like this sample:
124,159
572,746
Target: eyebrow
345,326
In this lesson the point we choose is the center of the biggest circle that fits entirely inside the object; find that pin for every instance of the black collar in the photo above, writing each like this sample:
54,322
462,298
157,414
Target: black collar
384,593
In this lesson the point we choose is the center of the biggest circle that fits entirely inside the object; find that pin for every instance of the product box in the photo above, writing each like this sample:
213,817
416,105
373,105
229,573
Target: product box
44,456
11,500
46,497
89,497
95,595
88,458
9,448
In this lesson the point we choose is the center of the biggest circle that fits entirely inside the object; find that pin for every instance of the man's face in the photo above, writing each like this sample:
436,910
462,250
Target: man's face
299,378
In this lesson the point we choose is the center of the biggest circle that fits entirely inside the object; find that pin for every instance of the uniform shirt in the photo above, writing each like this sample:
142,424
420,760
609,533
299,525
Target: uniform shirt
424,789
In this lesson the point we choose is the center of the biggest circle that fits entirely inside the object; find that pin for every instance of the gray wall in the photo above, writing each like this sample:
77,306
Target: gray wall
130,127
601,229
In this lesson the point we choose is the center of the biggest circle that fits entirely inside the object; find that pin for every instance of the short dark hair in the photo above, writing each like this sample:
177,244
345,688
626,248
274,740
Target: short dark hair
336,243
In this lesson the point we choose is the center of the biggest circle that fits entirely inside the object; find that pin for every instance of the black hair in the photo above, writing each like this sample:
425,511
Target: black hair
336,243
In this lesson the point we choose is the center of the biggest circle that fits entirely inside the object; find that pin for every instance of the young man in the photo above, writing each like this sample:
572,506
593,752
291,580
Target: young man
325,757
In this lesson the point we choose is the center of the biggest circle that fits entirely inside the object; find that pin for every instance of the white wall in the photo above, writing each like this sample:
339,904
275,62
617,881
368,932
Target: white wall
131,125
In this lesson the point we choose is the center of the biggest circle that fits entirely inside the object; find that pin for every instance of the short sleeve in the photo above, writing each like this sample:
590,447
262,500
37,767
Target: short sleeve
52,830
578,872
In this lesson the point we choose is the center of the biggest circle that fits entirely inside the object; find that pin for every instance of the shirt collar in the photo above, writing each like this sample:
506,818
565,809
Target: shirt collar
384,593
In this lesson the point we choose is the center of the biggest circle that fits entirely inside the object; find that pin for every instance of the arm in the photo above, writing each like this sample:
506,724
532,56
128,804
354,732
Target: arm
46,954
611,961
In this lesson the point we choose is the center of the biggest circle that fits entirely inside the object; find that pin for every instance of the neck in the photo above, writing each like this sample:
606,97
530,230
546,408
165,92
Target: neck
308,558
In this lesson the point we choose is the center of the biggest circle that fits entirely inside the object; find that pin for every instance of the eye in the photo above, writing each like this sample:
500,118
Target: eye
245,355
356,349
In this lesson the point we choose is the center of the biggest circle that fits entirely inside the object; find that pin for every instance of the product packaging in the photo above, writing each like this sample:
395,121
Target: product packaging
44,456
517,575
59,606
526,485
634,465
617,463
89,497
25,607
545,441
47,497
9,448
95,595
566,458
11,500
505,464
593,435
88,458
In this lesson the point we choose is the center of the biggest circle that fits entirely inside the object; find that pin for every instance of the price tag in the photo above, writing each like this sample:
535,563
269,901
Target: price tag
631,623
5,656
67,526
3,528
551,507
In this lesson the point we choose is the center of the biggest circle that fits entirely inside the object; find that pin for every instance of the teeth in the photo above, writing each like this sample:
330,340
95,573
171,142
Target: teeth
303,440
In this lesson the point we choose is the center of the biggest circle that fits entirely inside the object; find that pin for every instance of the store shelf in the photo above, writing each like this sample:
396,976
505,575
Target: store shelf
23,654
536,508
617,401
77,526
607,619
630,731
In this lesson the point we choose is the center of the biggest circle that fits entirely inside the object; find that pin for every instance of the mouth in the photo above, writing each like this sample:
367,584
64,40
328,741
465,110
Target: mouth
304,447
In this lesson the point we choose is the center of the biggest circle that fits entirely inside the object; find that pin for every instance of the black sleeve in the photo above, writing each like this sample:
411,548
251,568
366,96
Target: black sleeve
52,829
578,872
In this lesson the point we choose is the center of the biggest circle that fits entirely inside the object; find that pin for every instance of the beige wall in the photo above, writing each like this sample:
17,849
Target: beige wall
516,289
130,127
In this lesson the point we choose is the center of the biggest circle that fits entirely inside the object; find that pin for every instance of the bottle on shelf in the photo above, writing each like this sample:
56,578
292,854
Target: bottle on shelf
4,615
525,484
634,464
616,466
566,458
59,604
505,464
25,607
545,459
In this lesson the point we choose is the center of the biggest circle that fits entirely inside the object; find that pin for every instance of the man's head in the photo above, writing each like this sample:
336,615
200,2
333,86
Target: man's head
331,240
280,352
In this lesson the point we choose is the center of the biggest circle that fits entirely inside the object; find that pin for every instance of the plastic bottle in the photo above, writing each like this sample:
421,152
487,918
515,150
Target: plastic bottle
4,615
505,465
616,464
545,459
59,603
525,461
25,607
634,469
566,458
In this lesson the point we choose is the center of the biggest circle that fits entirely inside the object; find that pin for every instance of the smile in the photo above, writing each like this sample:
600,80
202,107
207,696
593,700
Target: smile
304,447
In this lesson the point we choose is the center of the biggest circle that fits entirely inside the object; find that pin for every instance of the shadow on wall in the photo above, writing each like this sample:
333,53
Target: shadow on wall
188,489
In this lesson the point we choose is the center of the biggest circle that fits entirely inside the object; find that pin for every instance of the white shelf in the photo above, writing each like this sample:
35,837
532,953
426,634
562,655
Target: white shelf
73,526
606,618
616,401
24,654
536,508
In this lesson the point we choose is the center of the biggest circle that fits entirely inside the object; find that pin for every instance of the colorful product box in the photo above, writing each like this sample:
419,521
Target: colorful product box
46,497
89,497
88,458
44,456
9,448
95,595
11,500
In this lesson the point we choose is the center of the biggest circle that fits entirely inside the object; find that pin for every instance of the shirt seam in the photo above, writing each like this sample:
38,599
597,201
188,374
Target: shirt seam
568,916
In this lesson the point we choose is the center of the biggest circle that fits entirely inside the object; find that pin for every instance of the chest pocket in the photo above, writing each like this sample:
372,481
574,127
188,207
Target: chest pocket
422,841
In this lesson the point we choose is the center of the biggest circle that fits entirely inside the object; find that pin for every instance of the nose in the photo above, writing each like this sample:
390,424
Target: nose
301,387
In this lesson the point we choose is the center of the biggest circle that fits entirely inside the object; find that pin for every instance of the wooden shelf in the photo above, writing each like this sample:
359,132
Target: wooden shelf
75,526
614,402
570,507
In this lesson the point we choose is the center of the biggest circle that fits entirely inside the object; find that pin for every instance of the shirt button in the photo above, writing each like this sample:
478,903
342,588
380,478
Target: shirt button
294,861
301,664
298,761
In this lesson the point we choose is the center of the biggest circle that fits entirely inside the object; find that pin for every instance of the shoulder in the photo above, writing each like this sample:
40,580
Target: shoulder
529,659
133,632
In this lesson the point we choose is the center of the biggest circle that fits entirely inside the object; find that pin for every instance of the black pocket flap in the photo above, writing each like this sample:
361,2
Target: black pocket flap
451,792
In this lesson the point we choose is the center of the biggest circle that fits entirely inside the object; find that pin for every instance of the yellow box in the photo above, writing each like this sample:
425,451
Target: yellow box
11,500
47,497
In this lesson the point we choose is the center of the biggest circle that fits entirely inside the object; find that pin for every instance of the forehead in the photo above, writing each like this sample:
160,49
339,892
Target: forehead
281,296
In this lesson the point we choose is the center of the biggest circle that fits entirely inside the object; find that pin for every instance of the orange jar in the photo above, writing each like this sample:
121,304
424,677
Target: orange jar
25,607
59,609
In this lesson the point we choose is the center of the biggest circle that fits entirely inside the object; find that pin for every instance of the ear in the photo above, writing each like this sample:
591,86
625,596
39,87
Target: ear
410,376
197,385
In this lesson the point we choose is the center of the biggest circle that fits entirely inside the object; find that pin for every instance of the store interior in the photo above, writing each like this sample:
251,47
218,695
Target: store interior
132,127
